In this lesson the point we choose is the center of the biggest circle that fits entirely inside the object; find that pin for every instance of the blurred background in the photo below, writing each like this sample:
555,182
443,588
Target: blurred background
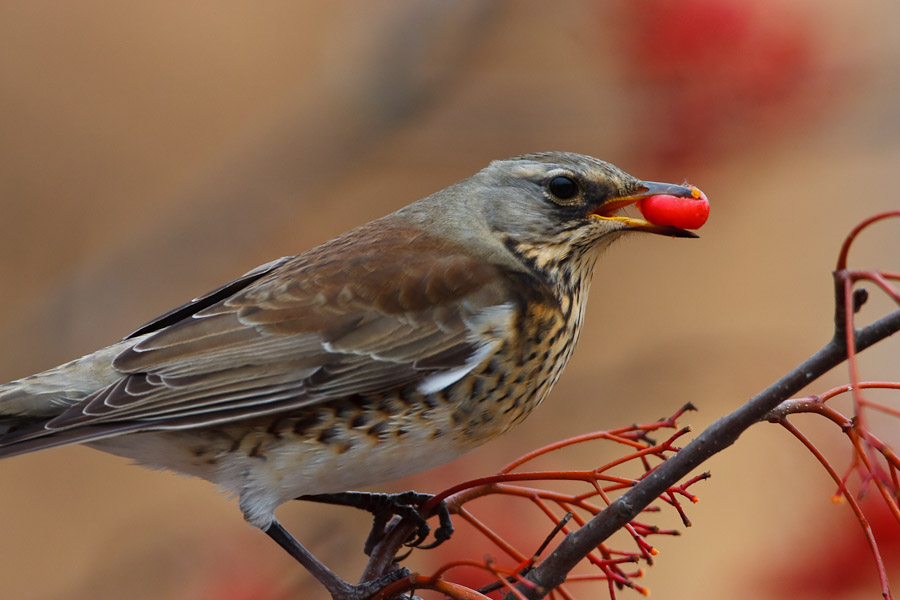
152,151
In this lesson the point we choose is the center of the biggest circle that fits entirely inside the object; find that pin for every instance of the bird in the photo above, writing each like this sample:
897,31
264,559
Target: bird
390,349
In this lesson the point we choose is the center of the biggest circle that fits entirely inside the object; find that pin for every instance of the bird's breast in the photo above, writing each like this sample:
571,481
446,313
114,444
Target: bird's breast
520,372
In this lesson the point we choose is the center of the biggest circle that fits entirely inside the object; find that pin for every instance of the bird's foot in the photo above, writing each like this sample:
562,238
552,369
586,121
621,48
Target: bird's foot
364,591
337,587
406,505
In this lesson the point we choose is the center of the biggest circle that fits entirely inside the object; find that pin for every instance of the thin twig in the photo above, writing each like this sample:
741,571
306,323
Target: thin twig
854,505
718,436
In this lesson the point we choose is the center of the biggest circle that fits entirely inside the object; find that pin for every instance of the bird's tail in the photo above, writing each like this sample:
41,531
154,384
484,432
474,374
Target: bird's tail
30,401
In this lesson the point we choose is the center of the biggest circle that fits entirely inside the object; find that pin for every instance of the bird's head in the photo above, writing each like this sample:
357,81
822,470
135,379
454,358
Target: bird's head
551,197
556,208
554,211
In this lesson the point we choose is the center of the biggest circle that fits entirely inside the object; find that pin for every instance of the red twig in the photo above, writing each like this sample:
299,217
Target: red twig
511,482
662,465
865,445
854,505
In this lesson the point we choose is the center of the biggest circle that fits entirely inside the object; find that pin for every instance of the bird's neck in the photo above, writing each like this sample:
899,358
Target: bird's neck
565,270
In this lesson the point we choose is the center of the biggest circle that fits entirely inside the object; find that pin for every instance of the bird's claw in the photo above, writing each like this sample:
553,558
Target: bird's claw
362,591
441,534
406,505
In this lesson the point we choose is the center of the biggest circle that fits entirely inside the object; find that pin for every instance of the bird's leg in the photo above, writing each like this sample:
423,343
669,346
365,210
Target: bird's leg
384,506
337,587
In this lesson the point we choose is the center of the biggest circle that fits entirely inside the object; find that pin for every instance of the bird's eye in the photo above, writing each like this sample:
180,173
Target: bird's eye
563,187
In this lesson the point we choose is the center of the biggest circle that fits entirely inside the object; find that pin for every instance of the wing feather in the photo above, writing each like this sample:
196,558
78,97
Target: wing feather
361,314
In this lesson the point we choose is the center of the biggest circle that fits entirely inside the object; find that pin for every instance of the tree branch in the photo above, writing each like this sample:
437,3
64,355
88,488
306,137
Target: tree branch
574,547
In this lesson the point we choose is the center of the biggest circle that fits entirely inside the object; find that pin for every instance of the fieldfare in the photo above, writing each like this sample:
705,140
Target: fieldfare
397,346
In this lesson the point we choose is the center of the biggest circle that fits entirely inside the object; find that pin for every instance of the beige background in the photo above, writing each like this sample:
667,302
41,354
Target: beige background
151,151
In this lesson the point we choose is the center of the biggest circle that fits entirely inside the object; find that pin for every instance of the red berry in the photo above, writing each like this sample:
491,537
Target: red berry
684,213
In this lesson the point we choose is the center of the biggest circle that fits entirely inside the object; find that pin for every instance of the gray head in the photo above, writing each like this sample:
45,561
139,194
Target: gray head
551,208
552,197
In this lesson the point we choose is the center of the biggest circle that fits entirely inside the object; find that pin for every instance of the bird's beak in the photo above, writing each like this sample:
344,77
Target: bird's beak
648,188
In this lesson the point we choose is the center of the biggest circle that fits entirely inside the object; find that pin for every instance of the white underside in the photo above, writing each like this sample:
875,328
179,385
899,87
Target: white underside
293,469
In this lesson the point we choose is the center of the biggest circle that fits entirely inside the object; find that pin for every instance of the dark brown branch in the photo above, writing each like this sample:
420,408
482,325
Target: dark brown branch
718,436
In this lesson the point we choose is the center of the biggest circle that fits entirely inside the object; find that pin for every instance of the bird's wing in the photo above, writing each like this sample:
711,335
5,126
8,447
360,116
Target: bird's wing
208,299
361,314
